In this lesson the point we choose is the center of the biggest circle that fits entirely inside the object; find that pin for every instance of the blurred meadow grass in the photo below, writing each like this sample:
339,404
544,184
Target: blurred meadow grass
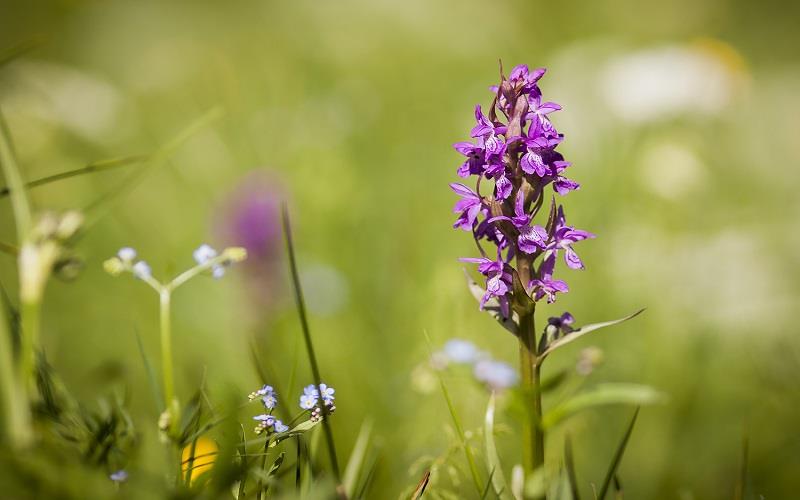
349,109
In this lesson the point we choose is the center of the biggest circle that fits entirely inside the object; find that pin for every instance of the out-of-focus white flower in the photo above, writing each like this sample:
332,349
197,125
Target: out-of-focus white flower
141,270
126,254
667,81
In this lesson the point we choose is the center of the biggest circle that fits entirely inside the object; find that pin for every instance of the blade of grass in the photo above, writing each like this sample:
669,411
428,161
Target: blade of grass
19,198
356,461
151,374
423,483
473,467
367,480
488,486
569,464
497,477
312,359
612,469
98,208
94,167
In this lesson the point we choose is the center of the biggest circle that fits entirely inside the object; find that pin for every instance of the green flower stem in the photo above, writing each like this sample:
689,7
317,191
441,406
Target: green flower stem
165,296
532,432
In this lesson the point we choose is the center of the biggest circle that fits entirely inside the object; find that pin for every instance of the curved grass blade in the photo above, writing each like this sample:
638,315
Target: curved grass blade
473,468
98,208
580,332
603,394
94,167
312,359
612,469
354,466
497,477
151,374
19,198
488,486
423,483
569,465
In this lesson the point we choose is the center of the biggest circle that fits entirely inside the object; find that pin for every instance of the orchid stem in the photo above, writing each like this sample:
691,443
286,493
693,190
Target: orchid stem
532,432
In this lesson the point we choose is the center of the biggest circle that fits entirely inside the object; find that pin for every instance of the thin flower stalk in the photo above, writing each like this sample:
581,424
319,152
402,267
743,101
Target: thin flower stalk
207,260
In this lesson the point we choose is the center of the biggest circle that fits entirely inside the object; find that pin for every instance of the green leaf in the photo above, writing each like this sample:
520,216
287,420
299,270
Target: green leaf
492,307
580,332
473,468
569,465
498,478
603,394
355,463
612,469
151,374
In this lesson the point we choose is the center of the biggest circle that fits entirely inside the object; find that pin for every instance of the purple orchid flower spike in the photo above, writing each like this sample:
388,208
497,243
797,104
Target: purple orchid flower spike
545,285
514,146
469,206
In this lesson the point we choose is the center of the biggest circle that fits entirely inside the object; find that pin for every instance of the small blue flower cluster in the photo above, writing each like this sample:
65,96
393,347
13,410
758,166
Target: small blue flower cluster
311,397
266,422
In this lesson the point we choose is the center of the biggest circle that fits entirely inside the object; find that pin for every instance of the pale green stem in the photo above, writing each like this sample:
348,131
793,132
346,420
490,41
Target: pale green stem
166,356
17,418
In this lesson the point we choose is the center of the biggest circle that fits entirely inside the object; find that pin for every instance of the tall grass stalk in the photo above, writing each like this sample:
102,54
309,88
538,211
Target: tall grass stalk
312,359
18,388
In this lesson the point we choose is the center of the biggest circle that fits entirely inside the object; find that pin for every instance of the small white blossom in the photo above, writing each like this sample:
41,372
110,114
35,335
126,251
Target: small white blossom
203,254
141,270
126,254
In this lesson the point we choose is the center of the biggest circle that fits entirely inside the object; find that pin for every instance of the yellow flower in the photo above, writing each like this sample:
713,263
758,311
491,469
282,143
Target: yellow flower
199,457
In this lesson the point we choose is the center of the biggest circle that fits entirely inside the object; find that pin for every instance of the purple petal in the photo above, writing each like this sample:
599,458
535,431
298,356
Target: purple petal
548,108
465,148
532,238
463,190
503,187
532,163
562,185
572,259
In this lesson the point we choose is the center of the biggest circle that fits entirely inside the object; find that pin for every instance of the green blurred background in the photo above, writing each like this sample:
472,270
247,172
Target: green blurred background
681,120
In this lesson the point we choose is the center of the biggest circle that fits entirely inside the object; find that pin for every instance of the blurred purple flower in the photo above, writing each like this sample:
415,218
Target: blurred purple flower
249,216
